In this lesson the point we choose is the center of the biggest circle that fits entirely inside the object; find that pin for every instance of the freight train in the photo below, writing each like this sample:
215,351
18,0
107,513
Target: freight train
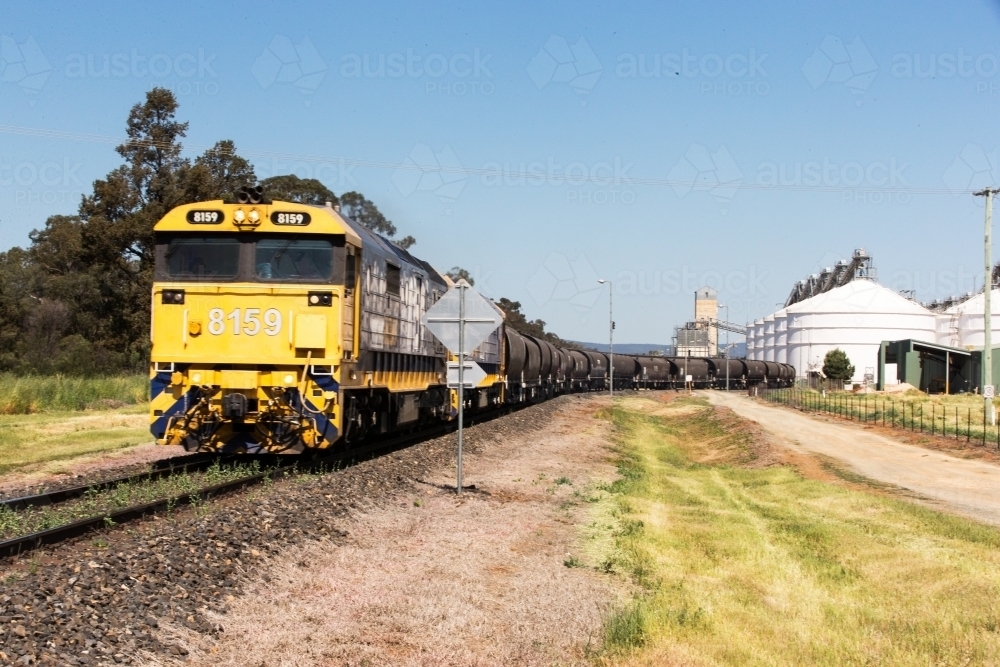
284,327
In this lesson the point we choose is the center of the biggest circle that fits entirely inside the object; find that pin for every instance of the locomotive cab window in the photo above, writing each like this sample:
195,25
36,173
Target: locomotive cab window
294,259
392,280
350,271
201,258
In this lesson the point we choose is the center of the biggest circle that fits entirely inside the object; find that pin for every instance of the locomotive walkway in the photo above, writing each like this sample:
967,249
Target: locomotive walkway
964,486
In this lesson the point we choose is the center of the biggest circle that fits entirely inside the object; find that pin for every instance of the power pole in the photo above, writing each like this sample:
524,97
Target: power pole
987,308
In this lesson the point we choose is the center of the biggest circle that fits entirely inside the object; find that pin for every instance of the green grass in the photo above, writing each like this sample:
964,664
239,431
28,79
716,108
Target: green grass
31,394
47,437
739,566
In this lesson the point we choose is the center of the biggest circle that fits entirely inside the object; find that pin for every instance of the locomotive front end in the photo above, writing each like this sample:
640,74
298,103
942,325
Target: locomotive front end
250,306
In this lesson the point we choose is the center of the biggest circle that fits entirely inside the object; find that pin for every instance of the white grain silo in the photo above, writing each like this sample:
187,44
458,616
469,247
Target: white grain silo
963,324
750,342
768,338
781,336
758,337
855,318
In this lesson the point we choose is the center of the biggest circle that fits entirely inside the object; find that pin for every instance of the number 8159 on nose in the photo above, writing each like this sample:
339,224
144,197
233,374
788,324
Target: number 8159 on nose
248,322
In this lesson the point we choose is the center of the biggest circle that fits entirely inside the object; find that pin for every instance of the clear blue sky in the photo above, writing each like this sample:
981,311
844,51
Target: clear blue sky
808,131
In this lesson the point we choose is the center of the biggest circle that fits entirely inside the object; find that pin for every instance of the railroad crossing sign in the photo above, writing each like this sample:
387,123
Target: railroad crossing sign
461,320
471,377
481,318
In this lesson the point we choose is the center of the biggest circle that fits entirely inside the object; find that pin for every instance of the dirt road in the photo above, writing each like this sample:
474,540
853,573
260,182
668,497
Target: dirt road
967,487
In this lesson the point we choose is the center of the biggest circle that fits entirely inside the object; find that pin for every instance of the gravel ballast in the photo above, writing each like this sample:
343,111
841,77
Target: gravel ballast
107,598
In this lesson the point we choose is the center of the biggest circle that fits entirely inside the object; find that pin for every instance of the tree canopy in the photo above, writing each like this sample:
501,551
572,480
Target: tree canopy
837,366
295,189
361,209
458,273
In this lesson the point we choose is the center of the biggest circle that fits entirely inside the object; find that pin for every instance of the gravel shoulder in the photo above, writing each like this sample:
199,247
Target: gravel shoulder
960,485
429,578
476,580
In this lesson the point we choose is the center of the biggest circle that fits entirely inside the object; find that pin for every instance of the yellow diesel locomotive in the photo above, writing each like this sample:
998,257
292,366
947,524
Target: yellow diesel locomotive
281,327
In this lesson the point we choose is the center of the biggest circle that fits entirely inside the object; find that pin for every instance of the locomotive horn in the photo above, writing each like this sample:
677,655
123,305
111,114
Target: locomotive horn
242,196
256,194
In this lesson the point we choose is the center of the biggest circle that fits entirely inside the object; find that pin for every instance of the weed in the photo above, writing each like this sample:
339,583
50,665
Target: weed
625,628
572,561
563,480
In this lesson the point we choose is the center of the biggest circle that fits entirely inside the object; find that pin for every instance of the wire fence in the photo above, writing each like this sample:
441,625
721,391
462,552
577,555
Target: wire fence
946,421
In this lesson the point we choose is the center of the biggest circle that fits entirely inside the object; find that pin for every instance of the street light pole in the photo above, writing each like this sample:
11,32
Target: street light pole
611,337
987,307
727,347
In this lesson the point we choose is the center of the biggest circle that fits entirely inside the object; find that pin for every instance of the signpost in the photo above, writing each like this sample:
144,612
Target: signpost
461,320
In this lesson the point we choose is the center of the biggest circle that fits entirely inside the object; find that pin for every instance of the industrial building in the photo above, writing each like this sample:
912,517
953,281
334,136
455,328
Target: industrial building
888,336
699,338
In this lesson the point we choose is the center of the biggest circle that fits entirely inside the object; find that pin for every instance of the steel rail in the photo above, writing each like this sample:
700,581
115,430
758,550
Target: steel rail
21,545
162,468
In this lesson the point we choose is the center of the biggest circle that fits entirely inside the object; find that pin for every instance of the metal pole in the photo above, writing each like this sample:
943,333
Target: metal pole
988,310
461,380
611,338
988,414
727,347
947,372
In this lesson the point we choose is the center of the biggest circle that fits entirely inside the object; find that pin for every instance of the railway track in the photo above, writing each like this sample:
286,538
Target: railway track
284,465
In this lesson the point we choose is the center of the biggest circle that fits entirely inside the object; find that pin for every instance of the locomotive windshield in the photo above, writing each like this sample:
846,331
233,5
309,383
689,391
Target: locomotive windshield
289,258
202,258
293,259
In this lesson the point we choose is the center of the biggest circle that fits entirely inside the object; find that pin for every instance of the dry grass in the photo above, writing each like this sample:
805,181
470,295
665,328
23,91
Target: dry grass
488,579
31,440
743,566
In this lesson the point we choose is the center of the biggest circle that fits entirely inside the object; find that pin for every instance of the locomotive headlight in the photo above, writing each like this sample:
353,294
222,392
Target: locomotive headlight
314,299
254,216
239,216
